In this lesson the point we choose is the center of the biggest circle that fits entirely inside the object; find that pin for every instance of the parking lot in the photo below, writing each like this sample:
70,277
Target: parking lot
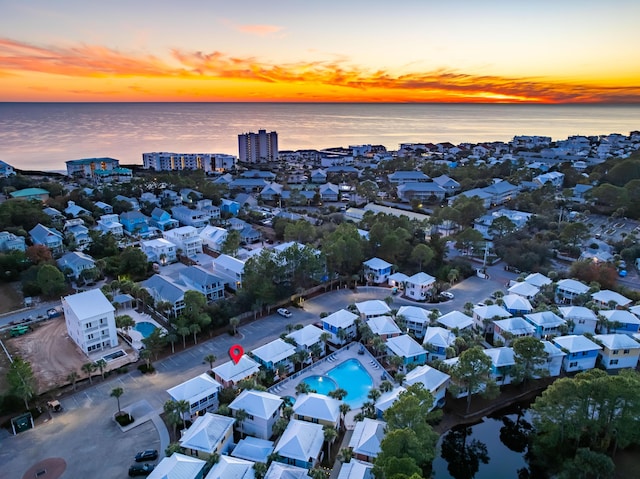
612,229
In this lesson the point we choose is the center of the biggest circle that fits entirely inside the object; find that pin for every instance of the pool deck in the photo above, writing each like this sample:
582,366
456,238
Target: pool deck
287,387
136,336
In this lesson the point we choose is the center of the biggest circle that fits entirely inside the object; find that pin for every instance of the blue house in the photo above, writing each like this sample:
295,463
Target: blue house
230,206
408,349
581,352
377,270
163,220
300,444
134,222
620,321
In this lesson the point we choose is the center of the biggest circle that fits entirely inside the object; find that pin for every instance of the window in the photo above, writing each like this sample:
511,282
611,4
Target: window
626,351
250,417
613,362
615,351
573,364
584,353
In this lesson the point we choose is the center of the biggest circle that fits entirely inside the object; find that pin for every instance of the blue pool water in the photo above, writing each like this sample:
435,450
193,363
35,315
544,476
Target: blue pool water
350,376
145,328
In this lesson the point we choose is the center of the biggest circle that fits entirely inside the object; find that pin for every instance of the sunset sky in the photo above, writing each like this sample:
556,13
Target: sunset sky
547,51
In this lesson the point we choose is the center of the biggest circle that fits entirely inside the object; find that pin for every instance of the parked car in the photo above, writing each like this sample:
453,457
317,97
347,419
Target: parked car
140,469
447,295
284,312
147,455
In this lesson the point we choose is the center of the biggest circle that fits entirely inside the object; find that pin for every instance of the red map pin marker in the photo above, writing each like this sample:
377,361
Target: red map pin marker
236,353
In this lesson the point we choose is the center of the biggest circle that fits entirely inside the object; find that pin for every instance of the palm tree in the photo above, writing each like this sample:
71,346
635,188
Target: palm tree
324,337
89,368
101,364
338,394
374,394
210,358
303,388
183,330
260,470
173,447
240,416
315,351
346,454
330,434
234,322
344,409
73,378
385,386
317,474
183,407
172,337
279,426
195,329
116,393
125,322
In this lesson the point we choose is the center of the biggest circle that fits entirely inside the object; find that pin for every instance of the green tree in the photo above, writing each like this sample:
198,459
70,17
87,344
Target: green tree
73,377
588,464
330,435
155,342
231,244
574,233
472,373
501,226
89,369
421,255
51,280
530,357
125,322
101,364
116,393
469,240
133,263
210,358
22,382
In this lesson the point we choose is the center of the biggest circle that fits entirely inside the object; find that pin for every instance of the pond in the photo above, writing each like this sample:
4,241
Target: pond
493,448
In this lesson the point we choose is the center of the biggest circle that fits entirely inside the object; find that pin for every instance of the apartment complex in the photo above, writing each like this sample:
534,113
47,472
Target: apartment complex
209,162
261,147
87,167
90,319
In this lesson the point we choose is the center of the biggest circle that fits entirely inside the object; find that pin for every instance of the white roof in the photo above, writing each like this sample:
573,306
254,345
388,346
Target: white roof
516,302
274,351
455,319
198,387
524,289
306,336
253,449
438,336
429,377
207,432
605,295
317,406
383,325
617,341
517,326
386,400
620,316
341,319
414,313
230,371
488,312
89,303
404,346
576,343
230,263
551,350
500,356
421,279
635,310
355,469
577,312
367,436
301,440
373,307
573,286
257,403
538,279
177,466
229,467
546,319
399,277
377,264
277,470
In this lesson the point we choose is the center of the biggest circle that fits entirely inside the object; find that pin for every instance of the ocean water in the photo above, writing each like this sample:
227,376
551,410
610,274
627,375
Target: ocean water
45,135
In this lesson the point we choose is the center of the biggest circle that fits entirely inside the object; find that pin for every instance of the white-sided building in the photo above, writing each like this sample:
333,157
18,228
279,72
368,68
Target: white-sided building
434,381
579,319
230,373
159,251
230,269
581,352
263,410
229,467
209,434
554,359
201,392
419,286
483,316
178,466
275,354
618,351
377,270
373,308
455,320
186,239
366,439
341,320
90,320
416,319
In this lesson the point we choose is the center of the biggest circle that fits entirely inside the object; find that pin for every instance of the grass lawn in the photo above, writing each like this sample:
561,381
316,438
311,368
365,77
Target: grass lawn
11,298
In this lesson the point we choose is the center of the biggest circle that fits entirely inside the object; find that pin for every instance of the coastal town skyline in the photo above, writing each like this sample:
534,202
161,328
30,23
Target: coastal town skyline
494,52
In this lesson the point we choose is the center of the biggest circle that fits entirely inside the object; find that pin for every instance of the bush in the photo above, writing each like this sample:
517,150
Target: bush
146,370
124,419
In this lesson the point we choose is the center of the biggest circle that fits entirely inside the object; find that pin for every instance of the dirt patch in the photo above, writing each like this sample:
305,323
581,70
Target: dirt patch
11,297
51,468
52,354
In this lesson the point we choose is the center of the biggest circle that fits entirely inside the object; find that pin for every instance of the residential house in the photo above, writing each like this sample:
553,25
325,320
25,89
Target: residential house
230,373
54,214
555,356
620,321
448,184
318,176
77,233
189,196
170,198
90,320
411,176
434,381
502,362
408,349
48,237
208,435
608,299
213,237
508,329
6,170
386,400
275,354
207,207
546,323
197,278
318,409
229,207
104,208
11,242
229,467
501,191
341,320
329,192
149,198
479,193
271,192
188,217
538,280
524,289
419,286
372,309
366,439
262,411
516,304
163,288
178,466
39,194
618,351
377,270
554,178
132,202
581,352
277,470
579,319
306,337
186,239
427,192
159,251
200,392
134,222
454,320
230,269
483,316
249,235
384,326
436,341
355,469
75,263
415,319
253,449
111,224
162,220
568,289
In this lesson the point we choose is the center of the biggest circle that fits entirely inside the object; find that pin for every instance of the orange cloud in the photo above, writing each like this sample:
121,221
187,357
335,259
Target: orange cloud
219,76
261,30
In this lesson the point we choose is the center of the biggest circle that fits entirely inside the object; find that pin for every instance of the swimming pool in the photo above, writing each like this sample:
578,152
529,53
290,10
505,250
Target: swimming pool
145,328
350,376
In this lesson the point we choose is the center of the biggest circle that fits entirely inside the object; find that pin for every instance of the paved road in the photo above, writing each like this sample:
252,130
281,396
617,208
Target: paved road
92,444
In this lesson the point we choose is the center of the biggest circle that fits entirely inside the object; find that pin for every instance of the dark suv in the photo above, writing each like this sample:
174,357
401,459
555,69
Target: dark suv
140,469
148,455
